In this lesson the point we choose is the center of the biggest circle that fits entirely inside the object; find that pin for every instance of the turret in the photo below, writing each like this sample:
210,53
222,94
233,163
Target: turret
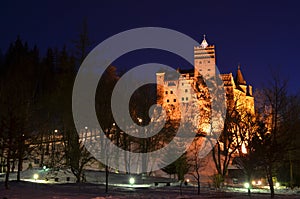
240,81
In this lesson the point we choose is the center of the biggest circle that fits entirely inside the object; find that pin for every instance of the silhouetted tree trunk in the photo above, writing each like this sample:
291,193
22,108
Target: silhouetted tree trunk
230,141
195,163
82,44
20,160
8,162
76,154
18,96
182,168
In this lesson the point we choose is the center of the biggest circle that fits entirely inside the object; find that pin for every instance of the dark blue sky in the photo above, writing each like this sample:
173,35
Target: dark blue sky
259,35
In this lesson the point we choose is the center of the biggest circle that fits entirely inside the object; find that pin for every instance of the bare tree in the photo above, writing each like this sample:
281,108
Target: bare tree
247,160
273,143
18,90
83,43
182,168
196,164
229,143
77,155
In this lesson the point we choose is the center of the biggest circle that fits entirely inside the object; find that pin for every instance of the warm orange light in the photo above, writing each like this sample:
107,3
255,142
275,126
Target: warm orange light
244,149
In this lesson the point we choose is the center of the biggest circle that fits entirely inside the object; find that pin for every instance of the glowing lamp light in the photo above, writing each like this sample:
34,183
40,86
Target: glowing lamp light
131,181
44,167
259,182
140,120
253,182
35,176
244,149
187,180
277,184
247,185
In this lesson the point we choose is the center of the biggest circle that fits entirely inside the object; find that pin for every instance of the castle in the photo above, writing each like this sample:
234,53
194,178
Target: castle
178,90
187,87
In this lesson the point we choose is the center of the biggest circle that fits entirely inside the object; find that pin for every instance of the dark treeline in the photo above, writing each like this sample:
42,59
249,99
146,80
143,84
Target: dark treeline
36,102
35,99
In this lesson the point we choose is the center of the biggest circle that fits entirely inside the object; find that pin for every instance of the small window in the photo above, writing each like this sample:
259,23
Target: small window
171,92
208,69
166,92
200,62
208,61
174,100
186,90
186,98
168,100
182,99
182,84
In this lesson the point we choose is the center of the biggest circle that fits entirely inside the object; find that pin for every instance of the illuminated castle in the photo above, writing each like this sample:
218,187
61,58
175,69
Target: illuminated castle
179,88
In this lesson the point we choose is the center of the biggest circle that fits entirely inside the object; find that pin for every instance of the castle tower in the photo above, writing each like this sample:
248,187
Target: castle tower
240,81
160,79
204,59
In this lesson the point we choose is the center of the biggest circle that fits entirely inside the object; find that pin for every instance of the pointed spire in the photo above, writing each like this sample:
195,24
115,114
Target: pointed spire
204,43
239,77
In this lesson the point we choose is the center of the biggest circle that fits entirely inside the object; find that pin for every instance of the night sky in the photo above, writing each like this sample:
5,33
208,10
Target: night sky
262,36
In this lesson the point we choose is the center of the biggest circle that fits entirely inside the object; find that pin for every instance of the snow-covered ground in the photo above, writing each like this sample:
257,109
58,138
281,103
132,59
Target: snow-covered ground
94,188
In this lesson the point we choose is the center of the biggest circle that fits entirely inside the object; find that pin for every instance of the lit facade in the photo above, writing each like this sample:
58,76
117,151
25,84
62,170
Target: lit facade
173,91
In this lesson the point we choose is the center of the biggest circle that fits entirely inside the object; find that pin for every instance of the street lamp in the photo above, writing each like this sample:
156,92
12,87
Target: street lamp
144,148
131,181
54,140
35,176
247,185
140,120
85,134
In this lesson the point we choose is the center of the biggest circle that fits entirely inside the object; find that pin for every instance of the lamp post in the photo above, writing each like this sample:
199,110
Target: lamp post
85,134
53,147
131,181
35,176
109,136
144,150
